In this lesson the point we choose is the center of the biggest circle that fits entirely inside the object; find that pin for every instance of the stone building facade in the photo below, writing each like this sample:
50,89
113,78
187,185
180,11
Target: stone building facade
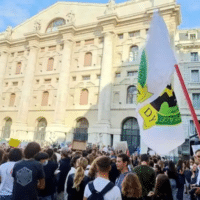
71,71
187,45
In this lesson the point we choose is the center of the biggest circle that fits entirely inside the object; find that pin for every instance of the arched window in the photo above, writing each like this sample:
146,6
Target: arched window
7,128
12,100
131,134
50,64
131,94
40,129
88,59
81,130
45,98
84,97
18,68
133,53
53,26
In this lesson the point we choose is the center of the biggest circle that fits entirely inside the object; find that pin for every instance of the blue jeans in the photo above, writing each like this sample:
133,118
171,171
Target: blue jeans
6,197
174,189
45,198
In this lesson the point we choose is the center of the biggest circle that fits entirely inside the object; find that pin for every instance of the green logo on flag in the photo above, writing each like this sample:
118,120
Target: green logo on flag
143,93
162,111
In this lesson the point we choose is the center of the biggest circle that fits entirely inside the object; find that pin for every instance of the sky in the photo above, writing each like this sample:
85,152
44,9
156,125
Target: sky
14,12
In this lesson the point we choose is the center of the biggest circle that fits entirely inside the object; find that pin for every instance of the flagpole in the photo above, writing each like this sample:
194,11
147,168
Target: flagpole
194,116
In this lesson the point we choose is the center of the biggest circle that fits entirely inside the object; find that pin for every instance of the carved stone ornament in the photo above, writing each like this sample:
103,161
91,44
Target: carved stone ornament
70,17
37,25
8,32
110,7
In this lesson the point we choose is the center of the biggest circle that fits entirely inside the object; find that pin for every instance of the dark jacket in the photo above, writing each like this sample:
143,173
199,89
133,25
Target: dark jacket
194,180
147,177
73,194
64,169
162,198
50,180
188,175
181,178
114,173
131,198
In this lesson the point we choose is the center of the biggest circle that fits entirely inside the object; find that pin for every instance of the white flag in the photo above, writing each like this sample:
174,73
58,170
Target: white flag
158,113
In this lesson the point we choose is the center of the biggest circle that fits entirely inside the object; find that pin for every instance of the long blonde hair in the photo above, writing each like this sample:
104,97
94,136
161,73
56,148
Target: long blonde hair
80,172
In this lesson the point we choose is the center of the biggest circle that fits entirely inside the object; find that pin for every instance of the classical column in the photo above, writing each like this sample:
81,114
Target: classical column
106,80
27,86
3,65
63,86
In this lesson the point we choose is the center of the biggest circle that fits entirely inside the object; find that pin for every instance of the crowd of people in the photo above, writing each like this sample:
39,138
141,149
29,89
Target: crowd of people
36,173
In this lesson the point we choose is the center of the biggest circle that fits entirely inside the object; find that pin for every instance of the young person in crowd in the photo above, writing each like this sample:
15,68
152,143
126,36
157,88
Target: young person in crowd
52,156
72,171
76,182
173,178
101,185
28,175
146,176
6,187
90,159
131,187
195,179
64,168
114,172
122,165
181,180
49,170
188,175
162,189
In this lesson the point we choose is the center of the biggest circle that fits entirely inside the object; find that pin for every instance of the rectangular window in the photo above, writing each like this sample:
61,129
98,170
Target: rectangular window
6,84
15,83
85,78
57,80
193,130
194,75
147,30
61,47
117,74
12,54
37,81
91,41
192,36
120,36
98,76
132,73
134,34
42,49
52,48
20,53
194,56
78,43
196,100
74,78
47,80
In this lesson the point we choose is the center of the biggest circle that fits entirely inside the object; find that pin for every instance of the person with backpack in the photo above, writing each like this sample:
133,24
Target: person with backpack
101,188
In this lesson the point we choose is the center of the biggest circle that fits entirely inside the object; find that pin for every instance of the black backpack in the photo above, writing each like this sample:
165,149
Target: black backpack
99,195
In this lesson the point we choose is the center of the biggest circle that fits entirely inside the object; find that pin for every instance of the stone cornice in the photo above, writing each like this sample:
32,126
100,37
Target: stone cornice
104,23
